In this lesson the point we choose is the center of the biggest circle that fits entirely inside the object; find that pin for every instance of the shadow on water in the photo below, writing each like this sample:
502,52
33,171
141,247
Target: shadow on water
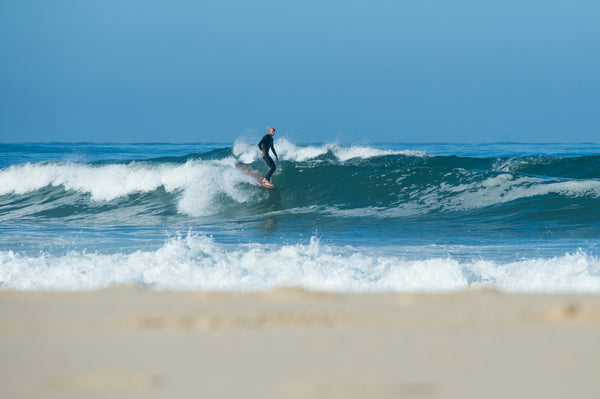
269,223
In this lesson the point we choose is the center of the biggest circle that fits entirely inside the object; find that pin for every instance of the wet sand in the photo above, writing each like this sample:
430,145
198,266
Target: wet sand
290,343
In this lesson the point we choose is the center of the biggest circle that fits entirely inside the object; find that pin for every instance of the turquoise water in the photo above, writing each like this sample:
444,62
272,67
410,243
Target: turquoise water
378,217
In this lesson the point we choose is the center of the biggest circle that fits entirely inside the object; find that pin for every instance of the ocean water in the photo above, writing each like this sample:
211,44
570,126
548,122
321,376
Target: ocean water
347,218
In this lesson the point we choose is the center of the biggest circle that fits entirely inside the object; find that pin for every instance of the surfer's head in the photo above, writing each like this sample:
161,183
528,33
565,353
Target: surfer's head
271,130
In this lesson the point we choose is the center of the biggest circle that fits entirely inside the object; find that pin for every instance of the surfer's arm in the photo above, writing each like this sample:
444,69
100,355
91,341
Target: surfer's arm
274,152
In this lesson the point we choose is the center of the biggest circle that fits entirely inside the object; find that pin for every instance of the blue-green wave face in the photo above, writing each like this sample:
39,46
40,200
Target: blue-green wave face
318,187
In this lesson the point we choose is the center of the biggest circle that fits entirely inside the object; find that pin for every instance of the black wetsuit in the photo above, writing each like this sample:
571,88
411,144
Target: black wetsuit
265,145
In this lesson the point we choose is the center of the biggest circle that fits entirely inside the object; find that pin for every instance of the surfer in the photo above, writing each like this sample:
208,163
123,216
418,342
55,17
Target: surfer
265,145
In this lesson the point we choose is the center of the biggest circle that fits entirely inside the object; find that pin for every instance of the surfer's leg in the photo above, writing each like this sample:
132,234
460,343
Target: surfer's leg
271,166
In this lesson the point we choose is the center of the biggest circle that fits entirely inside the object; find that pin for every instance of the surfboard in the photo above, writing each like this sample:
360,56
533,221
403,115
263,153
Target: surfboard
246,169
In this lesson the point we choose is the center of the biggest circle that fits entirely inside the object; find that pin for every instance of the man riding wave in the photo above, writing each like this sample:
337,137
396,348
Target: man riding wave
265,145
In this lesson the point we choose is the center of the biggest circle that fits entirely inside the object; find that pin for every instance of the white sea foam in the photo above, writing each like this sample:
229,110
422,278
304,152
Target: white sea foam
198,183
199,263
249,152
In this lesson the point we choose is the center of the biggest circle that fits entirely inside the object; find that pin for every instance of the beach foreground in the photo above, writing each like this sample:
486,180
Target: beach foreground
290,343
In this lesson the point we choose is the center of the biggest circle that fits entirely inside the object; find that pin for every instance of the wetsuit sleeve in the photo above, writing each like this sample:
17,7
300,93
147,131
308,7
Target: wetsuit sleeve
274,152
261,144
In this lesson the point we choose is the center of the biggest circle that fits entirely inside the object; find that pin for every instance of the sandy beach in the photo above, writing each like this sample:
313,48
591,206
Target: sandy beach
291,343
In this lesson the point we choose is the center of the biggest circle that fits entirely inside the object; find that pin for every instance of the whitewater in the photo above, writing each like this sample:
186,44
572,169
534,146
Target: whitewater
345,218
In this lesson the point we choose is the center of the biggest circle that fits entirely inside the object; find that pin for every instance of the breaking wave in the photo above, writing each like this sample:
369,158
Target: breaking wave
198,262
327,179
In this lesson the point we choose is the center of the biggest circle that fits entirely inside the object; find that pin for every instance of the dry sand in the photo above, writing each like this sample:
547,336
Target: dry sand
290,343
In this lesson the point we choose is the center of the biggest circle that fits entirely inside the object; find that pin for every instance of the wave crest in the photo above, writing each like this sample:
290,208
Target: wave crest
286,150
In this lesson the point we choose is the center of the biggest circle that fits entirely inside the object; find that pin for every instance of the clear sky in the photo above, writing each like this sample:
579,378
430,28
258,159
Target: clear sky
351,71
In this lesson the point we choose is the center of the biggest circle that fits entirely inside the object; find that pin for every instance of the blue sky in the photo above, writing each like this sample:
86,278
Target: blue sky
356,72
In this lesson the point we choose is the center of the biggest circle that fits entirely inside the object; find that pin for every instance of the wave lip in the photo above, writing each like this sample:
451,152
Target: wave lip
196,184
248,153
199,263
103,183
